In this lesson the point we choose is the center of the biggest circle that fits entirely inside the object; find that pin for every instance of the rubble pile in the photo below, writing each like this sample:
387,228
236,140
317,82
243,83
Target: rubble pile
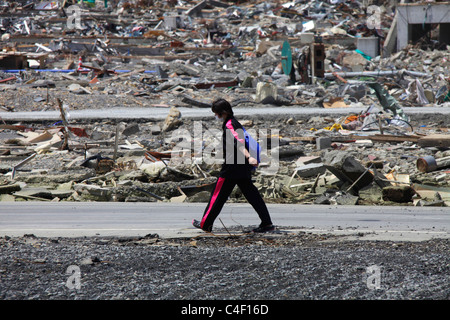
166,55
350,169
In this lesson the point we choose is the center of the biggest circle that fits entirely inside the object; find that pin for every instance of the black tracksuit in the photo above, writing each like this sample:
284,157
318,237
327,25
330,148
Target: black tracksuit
235,171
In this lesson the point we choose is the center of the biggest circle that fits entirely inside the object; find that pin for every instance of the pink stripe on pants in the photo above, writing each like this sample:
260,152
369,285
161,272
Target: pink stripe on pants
219,185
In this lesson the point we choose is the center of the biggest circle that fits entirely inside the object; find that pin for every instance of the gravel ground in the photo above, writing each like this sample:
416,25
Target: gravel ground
279,266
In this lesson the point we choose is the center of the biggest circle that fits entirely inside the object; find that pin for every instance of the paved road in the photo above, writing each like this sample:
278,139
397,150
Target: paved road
68,219
155,114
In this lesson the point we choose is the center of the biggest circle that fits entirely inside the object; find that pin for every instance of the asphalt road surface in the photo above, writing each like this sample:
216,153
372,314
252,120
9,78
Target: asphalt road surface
171,220
197,267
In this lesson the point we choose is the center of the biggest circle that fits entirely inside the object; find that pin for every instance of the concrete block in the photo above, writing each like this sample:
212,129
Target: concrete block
370,46
170,22
400,194
323,143
265,90
131,129
311,170
307,160
10,188
348,169
307,38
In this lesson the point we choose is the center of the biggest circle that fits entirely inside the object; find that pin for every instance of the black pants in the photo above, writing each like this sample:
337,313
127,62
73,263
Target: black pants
220,194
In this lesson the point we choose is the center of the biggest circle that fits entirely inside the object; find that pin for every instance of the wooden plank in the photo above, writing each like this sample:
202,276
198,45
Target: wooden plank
232,83
304,139
8,79
435,140
386,138
352,138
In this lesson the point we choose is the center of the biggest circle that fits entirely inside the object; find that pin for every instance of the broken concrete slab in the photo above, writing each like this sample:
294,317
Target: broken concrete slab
348,169
173,120
335,197
401,194
266,90
310,170
371,194
131,129
9,188
202,196
93,192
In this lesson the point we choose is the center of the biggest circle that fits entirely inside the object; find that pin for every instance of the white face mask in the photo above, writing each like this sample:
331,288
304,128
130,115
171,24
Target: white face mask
218,118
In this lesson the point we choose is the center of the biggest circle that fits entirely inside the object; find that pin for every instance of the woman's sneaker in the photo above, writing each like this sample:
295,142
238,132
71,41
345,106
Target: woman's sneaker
267,228
197,224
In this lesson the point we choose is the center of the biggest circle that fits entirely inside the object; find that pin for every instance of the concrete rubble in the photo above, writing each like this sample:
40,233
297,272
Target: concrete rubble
167,55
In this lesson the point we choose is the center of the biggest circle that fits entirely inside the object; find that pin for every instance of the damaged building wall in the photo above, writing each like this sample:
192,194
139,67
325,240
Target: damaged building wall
414,21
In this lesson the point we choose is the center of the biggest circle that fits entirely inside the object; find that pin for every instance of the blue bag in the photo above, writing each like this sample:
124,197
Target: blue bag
252,146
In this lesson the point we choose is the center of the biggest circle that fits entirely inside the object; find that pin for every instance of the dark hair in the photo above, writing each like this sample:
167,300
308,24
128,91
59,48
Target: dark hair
220,106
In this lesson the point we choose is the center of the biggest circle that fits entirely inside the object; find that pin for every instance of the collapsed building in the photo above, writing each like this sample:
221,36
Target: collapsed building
378,57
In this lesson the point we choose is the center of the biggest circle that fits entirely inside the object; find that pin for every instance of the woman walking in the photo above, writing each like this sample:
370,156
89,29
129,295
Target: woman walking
236,170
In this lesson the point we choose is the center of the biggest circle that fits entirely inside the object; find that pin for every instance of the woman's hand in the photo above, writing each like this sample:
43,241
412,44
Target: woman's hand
253,161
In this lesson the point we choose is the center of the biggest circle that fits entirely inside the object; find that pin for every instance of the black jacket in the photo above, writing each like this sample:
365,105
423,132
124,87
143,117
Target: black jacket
235,164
